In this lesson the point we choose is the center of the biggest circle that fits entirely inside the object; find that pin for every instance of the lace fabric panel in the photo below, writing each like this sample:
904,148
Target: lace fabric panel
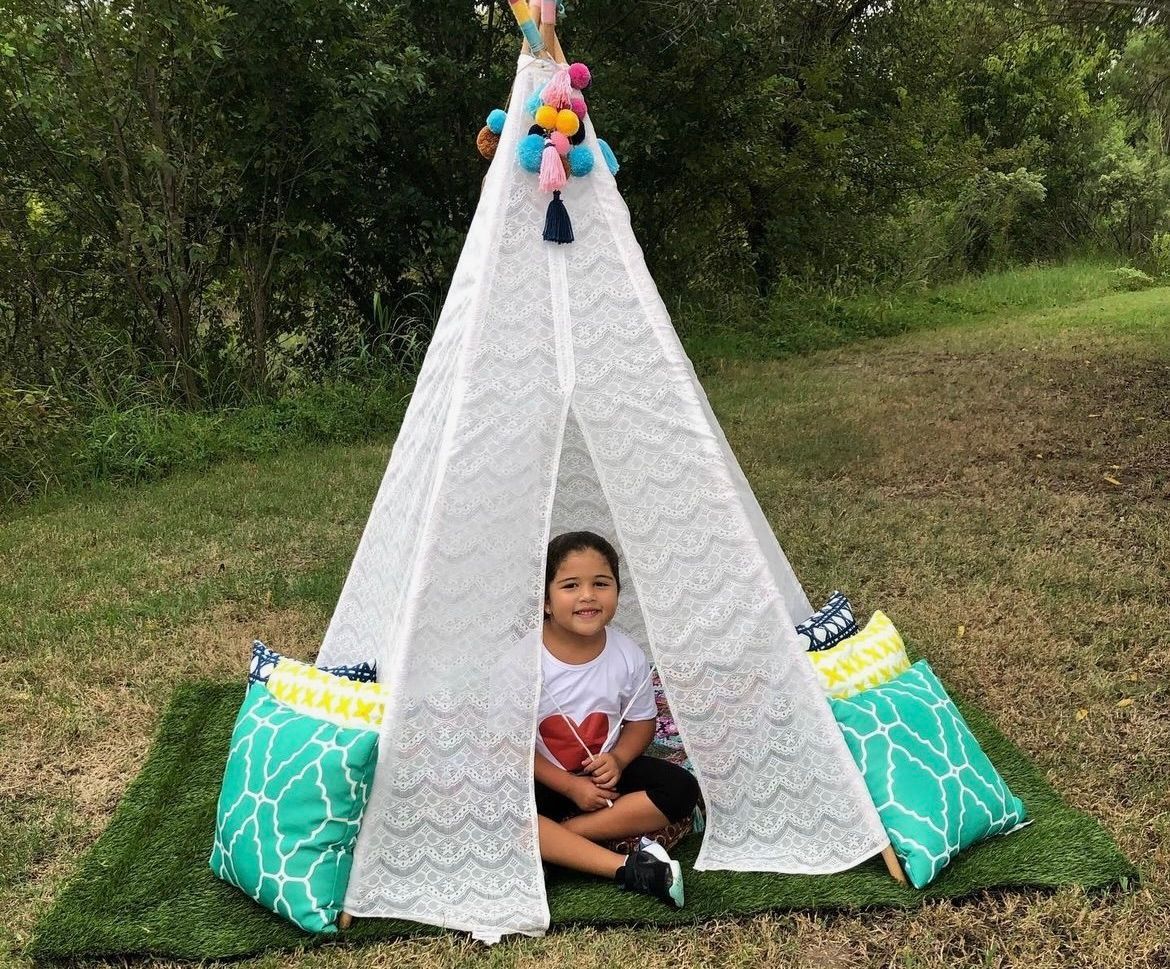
371,598
449,576
781,788
580,506
449,573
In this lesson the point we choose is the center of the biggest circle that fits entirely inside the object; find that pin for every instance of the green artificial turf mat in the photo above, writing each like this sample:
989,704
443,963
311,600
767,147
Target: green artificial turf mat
145,888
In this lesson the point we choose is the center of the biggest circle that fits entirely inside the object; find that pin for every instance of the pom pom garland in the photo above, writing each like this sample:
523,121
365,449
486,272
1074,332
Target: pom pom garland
580,160
579,75
557,227
611,161
496,119
554,148
487,142
552,172
559,90
547,117
567,123
530,152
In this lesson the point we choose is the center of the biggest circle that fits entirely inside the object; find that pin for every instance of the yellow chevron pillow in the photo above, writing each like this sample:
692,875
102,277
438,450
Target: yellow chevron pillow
333,698
867,659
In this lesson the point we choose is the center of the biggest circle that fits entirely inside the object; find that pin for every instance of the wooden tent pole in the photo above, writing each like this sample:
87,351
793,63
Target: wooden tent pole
525,47
893,865
548,33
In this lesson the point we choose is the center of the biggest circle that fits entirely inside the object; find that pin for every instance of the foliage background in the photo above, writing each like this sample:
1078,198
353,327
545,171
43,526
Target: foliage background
226,224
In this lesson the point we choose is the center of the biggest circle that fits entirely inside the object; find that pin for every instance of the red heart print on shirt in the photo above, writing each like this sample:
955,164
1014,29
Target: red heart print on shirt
559,739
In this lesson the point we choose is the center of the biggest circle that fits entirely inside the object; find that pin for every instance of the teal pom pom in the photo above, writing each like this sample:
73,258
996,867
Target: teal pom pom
534,101
580,160
611,161
529,152
496,119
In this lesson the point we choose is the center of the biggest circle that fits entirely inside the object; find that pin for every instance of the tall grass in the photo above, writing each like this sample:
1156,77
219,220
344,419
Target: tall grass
125,428
800,320
119,430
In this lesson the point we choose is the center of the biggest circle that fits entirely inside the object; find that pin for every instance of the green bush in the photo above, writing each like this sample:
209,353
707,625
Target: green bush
47,444
1160,254
146,442
35,435
1127,278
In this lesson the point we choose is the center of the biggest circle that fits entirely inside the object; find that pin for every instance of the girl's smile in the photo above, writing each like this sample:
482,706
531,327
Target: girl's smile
581,600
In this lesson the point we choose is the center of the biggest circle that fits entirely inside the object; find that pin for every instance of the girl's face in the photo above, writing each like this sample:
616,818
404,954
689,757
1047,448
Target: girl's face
582,597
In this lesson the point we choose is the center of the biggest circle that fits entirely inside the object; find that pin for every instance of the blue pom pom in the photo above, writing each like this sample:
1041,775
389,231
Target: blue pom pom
611,161
496,119
529,151
580,160
533,101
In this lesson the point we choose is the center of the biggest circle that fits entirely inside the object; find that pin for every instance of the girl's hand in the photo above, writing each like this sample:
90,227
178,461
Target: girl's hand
605,769
588,796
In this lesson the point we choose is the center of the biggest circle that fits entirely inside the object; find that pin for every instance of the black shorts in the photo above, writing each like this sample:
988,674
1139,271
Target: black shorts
671,789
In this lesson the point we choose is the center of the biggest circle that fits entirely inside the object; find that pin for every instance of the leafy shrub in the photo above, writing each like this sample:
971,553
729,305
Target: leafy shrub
1160,254
1127,278
34,435
147,442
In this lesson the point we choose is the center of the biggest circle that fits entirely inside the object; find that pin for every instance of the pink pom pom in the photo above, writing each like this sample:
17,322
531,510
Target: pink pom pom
580,76
558,91
560,143
578,107
552,172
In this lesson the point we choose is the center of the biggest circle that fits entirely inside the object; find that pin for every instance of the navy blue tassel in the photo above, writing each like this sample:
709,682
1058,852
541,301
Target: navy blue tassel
557,227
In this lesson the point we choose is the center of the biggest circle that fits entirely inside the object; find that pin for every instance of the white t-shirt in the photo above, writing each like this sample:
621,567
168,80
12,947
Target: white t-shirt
592,695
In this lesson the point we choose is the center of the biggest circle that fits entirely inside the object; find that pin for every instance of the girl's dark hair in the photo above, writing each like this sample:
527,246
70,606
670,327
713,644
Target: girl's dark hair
562,546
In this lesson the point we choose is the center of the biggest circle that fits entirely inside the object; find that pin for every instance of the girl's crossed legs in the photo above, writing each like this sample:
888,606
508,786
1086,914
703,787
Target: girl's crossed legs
652,793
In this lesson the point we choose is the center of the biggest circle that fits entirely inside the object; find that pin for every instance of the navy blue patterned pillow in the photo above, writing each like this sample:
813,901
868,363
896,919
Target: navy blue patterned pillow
264,661
829,625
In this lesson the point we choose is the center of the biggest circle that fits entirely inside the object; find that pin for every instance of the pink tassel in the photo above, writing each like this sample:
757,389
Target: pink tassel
552,172
559,91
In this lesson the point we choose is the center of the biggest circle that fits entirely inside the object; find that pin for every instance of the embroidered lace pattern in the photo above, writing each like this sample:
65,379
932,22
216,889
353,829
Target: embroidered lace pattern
555,395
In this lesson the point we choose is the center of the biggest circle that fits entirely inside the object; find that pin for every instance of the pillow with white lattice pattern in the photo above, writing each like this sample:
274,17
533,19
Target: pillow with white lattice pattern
829,625
935,789
290,807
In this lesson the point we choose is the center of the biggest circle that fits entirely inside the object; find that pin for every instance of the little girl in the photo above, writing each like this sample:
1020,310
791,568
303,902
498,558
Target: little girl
596,717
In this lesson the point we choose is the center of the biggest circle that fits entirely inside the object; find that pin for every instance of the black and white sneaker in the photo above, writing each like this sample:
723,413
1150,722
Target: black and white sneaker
652,847
645,873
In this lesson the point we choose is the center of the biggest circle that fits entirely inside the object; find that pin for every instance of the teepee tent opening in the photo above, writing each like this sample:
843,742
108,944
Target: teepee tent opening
556,396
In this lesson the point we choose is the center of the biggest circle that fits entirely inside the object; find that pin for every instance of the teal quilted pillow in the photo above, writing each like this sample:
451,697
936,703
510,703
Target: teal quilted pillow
290,808
934,787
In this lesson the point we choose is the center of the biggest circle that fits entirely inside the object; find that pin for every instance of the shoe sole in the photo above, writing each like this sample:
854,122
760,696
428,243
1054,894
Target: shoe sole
676,886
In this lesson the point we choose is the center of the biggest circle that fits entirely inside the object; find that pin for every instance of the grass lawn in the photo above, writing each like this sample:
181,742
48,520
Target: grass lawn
1000,486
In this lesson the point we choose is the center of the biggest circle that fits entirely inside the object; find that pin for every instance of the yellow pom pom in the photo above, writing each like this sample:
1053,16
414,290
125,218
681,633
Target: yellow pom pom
567,122
547,117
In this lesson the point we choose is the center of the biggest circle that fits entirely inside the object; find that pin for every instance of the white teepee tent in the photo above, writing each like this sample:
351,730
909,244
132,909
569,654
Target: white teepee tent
556,396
